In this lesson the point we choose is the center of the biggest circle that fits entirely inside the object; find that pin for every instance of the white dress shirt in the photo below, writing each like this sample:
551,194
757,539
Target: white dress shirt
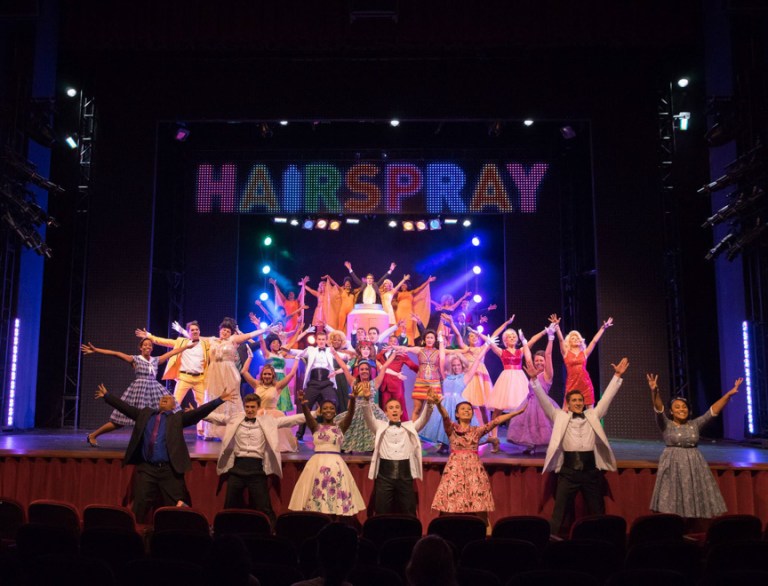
249,440
192,359
395,444
579,436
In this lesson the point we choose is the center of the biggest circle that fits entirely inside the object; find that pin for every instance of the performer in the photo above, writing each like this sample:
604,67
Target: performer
466,317
578,450
322,312
223,372
429,376
534,427
274,354
145,391
575,356
158,449
413,302
378,339
188,369
268,388
346,300
392,386
396,459
290,303
464,486
326,485
358,438
250,451
685,485
387,293
446,305
453,385
368,292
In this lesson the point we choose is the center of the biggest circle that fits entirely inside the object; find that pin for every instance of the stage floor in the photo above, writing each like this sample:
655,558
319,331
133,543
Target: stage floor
629,453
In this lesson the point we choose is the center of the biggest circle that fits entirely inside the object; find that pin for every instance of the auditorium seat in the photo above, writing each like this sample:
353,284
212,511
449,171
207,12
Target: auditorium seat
382,528
108,517
598,558
396,553
738,555
502,557
116,547
646,576
372,575
555,576
157,572
658,527
12,517
265,549
276,575
241,522
54,514
730,528
184,546
71,569
181,519
458,529
300,525
684,557
474,577
34,540
526,527
610,528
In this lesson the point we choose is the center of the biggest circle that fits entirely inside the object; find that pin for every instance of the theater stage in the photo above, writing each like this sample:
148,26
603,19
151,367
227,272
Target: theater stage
59,465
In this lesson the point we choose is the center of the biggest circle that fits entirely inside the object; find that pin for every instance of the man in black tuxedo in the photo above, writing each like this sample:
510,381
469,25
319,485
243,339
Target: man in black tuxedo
158,450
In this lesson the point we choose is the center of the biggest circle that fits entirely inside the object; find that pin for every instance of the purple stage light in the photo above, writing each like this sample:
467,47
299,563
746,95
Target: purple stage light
477,270
477,298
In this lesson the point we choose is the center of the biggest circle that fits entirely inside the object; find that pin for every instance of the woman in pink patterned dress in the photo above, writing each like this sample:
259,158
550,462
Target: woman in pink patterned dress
464,486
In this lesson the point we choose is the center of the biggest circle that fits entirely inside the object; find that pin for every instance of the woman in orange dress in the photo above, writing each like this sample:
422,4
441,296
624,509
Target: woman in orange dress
347,294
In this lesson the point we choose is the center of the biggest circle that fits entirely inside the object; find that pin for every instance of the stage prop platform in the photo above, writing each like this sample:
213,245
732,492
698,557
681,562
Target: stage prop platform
59,465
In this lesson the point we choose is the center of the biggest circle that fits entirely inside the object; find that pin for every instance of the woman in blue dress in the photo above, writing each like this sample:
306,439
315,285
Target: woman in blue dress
685,484
145,391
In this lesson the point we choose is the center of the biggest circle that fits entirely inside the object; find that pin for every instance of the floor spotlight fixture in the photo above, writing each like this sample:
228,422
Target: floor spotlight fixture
181,132
421,225
408,226
71,141
435,224
308,224
334,225
322,224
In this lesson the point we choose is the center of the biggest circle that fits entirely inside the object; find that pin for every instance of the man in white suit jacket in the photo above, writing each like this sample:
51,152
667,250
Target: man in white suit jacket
396,459
578,450
249,453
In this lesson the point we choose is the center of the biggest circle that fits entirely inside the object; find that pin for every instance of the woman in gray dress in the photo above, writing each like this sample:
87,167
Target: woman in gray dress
684,483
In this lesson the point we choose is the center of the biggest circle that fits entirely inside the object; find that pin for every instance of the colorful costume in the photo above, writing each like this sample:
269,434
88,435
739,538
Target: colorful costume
479,389
428,375
269,401
577,376
532,427
222,374
358,438
434,430
392,387
511,387
145,391
284,402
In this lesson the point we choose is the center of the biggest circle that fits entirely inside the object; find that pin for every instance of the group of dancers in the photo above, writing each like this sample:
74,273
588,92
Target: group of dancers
358,388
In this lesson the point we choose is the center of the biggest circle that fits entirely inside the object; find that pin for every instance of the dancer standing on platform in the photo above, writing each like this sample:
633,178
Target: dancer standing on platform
428,377
412,302
188,369
464,486
158,449
396,459
325,295
454,384
223,372
268,388
144,391
250,451
446,306
358,438
346,301
368,292
685,485
326,485
534,428
392,385
388,292
575,355
578,450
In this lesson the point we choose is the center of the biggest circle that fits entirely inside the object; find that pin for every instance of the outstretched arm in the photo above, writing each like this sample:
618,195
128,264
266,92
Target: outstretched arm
606,324
280,385
723,401
653,384
549,409
459,340
502,327
447,423
383,370
240,338
458,301
343,366
476,364
347,421
89,348
424,284
174,352
311,421
613,387
245,370
488,340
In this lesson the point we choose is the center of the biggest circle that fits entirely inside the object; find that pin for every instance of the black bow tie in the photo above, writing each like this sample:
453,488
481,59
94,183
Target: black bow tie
396,423
250,420
577,416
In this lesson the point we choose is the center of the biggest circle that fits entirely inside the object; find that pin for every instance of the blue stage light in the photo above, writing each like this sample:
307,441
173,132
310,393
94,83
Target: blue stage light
266,269
477,298
477,270
268,241
475,241
264,296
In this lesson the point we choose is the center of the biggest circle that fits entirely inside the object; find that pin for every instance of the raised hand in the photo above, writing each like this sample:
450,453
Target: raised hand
431,278
530,370
348,265
176,327
271,281
253,318
227,395
553,319
621,367
735,388
521,335
406,277
608,323
492,306
433,399
101,391
653,381
300,396
141,333
87,349
392,267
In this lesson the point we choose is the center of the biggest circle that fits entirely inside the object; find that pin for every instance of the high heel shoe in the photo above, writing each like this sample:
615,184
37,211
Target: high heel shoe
494,441
90,442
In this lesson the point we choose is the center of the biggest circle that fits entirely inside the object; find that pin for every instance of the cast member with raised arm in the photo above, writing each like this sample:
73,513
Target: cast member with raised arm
575,354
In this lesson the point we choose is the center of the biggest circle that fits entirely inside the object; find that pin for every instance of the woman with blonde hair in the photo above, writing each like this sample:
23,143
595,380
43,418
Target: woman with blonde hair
575,354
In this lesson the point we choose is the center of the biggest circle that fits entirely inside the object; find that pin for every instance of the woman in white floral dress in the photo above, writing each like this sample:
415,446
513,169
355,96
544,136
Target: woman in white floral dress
326,484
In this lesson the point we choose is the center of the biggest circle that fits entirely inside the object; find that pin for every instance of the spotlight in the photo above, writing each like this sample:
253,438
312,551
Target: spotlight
392,224
266,269
334,225
310,339
280,220
683,82
466,223
683,117
295,222
394,122
357,221
434,224
451,221
408,226
567,132
421,225
477,270
308,224
71,141
477,298
528,122
268,241
181,133
283,123
71,92
321,224
475,241
480,328
264,296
